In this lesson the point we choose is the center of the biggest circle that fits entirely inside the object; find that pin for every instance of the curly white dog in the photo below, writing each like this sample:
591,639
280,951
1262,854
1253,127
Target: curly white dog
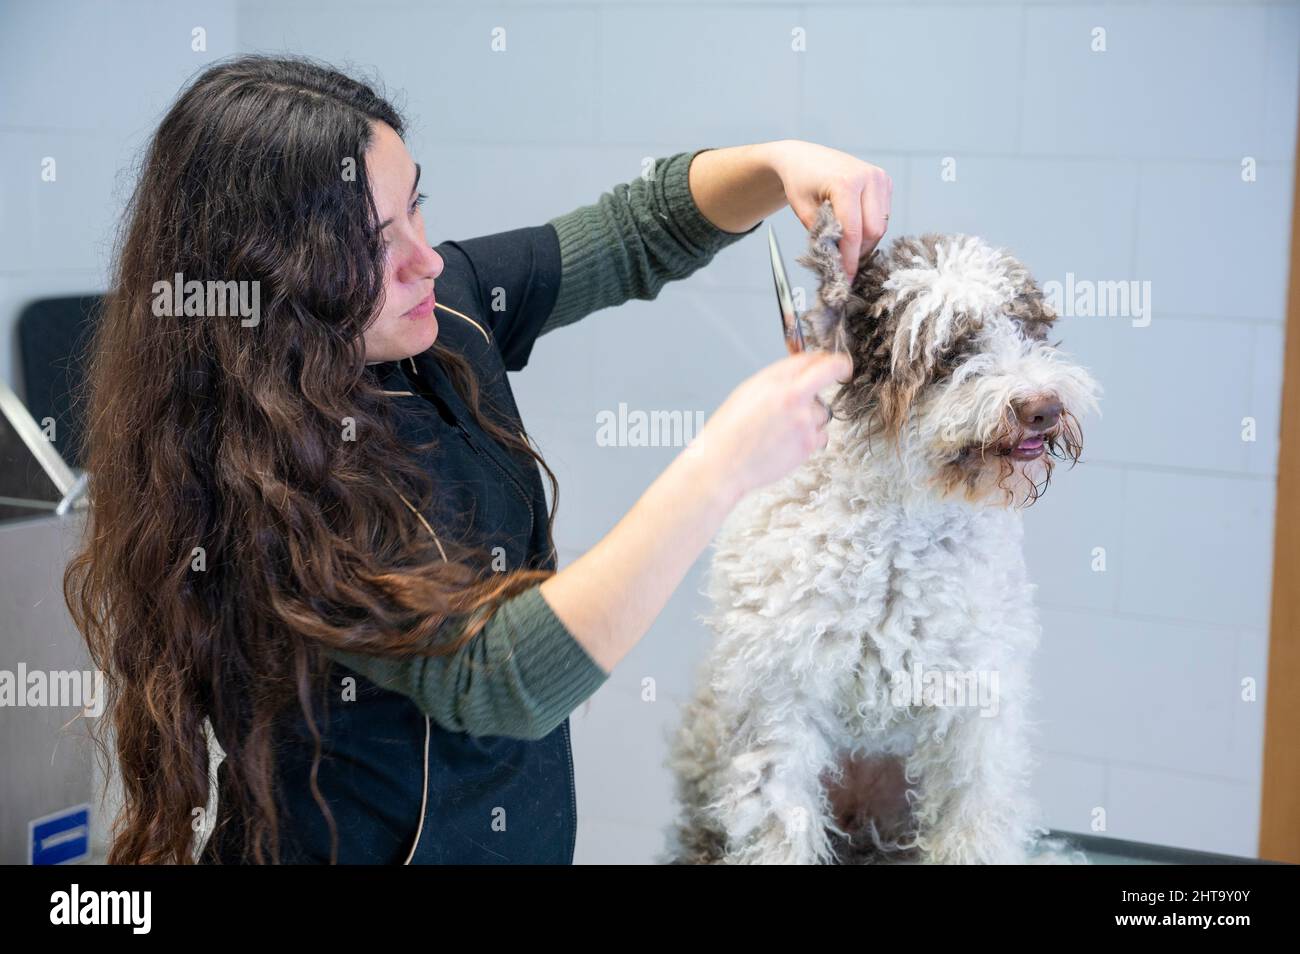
866,696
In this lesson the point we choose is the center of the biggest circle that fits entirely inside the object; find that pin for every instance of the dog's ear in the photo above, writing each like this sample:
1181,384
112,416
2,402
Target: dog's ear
838,298
1031,308
898,317
853,316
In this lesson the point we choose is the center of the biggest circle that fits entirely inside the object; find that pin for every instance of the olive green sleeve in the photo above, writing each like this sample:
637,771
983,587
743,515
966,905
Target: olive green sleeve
632,240
520,676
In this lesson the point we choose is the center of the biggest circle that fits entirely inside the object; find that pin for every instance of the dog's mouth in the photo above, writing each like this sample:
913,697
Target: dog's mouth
1014,446
1026,447
1030,448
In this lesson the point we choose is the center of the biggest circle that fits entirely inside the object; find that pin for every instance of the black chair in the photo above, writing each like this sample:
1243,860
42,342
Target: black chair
53,340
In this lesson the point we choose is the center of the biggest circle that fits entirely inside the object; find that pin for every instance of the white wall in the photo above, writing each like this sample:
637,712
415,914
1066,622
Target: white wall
84,83
1123,165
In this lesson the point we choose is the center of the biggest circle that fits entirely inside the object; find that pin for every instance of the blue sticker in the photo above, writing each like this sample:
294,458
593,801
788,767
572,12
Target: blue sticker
61,838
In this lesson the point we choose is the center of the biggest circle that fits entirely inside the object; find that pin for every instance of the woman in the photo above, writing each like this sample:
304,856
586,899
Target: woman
323,531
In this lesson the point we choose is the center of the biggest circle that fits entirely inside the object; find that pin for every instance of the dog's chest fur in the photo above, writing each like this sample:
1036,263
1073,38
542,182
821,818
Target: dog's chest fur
874,585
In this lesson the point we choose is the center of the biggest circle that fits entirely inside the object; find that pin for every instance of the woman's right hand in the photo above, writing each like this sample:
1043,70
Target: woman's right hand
609,597
772,422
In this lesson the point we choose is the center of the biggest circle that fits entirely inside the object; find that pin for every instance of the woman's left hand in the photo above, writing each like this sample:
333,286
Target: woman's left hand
859,192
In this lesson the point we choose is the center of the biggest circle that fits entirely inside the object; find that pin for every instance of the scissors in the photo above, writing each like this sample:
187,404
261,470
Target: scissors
791,323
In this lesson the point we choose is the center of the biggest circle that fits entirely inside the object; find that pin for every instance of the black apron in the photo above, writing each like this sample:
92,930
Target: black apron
489,799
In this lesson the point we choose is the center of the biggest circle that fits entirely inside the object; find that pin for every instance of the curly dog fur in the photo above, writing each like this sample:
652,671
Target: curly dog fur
866,696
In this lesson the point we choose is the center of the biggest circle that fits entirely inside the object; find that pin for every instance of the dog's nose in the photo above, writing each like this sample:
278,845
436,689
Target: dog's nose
1038,414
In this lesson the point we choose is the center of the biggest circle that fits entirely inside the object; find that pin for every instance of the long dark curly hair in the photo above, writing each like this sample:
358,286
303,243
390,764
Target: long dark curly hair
206,433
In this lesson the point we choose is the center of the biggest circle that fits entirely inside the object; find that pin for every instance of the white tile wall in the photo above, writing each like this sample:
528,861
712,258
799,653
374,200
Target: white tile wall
1174,83
1115,166
1211,244
84,83
912,78
1187,811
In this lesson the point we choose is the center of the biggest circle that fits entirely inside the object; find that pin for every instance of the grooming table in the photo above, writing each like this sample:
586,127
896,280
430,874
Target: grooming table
1115,851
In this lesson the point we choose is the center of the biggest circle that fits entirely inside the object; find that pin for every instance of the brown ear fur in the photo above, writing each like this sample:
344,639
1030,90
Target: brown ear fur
860,317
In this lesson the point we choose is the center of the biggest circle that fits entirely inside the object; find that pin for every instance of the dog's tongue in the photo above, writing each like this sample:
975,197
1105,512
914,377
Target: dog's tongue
1031,448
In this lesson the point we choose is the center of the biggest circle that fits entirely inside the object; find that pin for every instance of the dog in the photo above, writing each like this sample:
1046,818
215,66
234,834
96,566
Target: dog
865,698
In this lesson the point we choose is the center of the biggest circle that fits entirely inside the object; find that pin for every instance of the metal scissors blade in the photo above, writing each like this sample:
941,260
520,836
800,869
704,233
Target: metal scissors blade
791,326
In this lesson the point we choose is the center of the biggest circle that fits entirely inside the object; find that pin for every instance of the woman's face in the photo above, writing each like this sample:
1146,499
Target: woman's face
406,325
